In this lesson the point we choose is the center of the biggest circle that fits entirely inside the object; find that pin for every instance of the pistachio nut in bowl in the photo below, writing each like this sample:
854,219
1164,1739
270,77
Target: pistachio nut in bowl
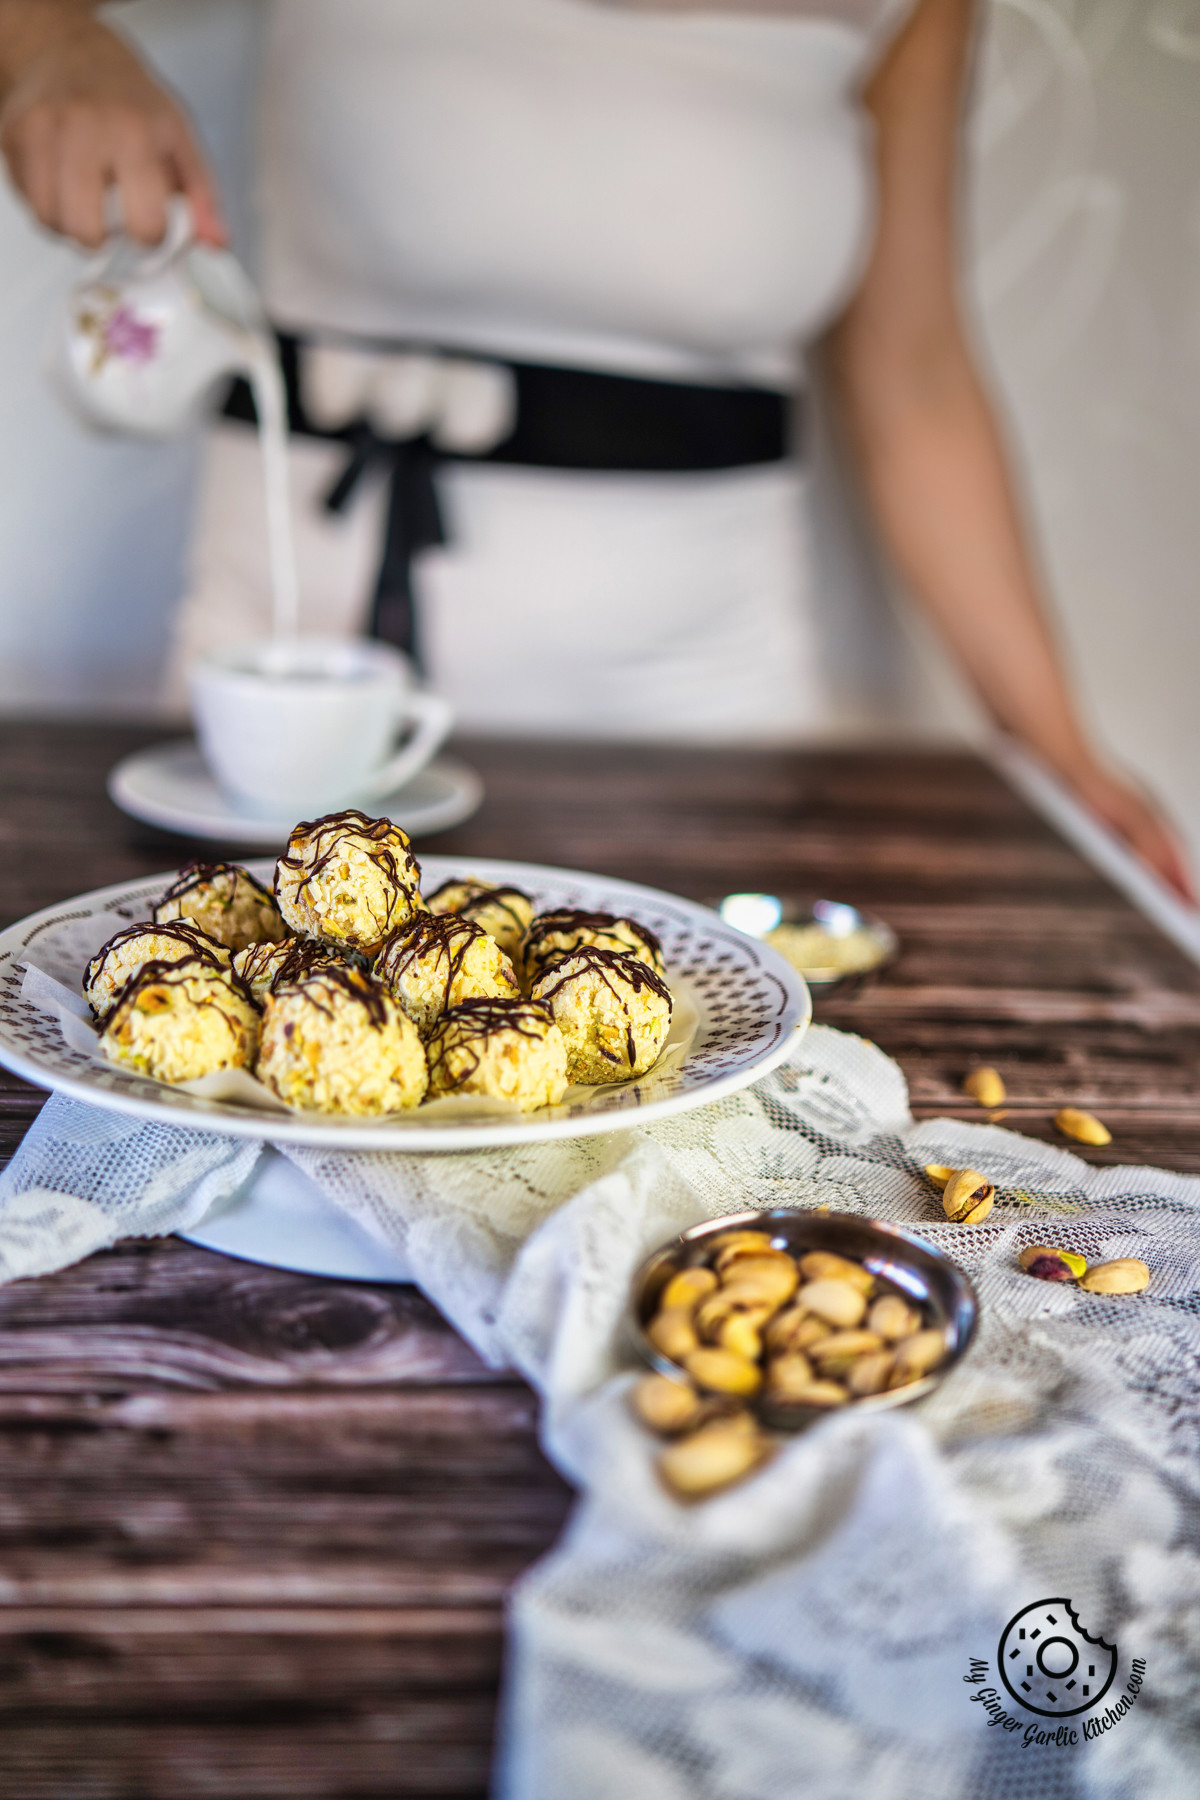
829,941
792,1314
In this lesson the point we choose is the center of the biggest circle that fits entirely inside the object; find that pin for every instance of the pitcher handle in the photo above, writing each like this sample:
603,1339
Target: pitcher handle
434,718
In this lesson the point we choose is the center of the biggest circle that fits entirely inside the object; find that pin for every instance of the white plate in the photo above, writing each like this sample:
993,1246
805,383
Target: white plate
751,1005
169,785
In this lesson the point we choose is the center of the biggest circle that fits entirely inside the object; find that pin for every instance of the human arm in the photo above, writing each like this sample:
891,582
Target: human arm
80,113
928,444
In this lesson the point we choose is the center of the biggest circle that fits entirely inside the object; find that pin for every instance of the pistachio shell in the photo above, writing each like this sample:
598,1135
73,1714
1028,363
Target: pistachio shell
916,1356
820,1394
1052,1265
871,1374
823,1265
687,1287
939,1174
712,1314
666,1405
732,1244
673,1333
835,1354
714,1456
741,1335
986,1086
794,1329
837,1302
1127,1275
723,1372
776,1278
786,1374
1084,1127
893,1318
968,1197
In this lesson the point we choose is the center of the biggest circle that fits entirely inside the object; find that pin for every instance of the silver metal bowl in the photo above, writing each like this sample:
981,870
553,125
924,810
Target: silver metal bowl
901,1262
759,914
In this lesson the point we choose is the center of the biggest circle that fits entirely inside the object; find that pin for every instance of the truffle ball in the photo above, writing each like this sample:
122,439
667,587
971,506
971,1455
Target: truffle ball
553,933
126,955
508,1049
614,1012
334,1042
349,879
267,967
225,901
180,1020
503,912
436,962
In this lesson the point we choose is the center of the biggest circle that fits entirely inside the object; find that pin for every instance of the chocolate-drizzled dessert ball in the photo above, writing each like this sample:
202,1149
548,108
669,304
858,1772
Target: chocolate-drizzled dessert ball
553,933
225,901
181,1020
334,1042
504,913
507,1049
438,961
116,963
614,1012
349,879
265,968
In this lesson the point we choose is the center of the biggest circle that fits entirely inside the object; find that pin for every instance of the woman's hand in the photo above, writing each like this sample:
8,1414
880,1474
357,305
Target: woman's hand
80,114
1136,819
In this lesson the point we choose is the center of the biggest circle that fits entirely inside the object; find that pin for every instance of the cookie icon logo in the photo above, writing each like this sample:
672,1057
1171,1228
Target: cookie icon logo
1050,1664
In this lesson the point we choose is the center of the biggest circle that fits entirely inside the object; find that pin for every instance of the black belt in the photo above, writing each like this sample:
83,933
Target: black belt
565,419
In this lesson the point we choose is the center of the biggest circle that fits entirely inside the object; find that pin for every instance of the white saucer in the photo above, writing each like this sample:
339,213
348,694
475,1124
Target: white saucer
169,785
281,1218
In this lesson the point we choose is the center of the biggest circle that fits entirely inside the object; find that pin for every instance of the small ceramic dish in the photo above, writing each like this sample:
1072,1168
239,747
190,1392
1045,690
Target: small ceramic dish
901,1262
860,945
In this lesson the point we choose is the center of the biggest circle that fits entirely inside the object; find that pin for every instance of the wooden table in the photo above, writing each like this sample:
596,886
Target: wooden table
256,1529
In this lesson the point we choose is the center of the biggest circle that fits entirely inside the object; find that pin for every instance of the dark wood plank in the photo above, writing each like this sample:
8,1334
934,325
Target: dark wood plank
256,1529
161,1313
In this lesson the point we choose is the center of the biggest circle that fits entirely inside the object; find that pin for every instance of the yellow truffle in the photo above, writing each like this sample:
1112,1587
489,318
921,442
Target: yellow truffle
436,962
267,967
124,956
507,1049
613,1011
349,879
178,1021
334,1042
552,934
503,912
225,901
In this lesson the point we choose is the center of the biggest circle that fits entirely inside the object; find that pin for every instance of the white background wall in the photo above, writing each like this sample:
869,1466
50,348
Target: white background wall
1085,222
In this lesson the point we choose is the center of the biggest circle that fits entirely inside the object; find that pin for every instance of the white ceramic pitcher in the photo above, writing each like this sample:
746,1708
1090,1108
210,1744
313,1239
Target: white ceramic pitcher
146,334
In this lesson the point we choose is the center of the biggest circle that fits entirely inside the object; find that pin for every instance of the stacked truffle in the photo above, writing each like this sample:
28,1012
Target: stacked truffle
347,992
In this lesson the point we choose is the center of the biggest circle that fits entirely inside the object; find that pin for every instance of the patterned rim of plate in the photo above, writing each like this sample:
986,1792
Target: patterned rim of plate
753,1007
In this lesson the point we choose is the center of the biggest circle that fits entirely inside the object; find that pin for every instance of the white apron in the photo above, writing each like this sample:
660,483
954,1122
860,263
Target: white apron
674,193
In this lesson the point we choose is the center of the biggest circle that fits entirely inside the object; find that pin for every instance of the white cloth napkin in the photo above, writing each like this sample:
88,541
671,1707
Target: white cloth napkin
808,1632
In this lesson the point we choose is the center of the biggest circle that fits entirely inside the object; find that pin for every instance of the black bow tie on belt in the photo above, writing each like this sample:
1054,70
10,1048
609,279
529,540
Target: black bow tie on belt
565,419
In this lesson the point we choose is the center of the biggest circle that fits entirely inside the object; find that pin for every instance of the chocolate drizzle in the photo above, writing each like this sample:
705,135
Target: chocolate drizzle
352,983
288,962
174,974
446,937
197,874
386,845
616,968
473,1024
480,898
584,928
200,948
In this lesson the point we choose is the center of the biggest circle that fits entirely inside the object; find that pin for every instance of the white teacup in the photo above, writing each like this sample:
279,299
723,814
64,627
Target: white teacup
301,726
